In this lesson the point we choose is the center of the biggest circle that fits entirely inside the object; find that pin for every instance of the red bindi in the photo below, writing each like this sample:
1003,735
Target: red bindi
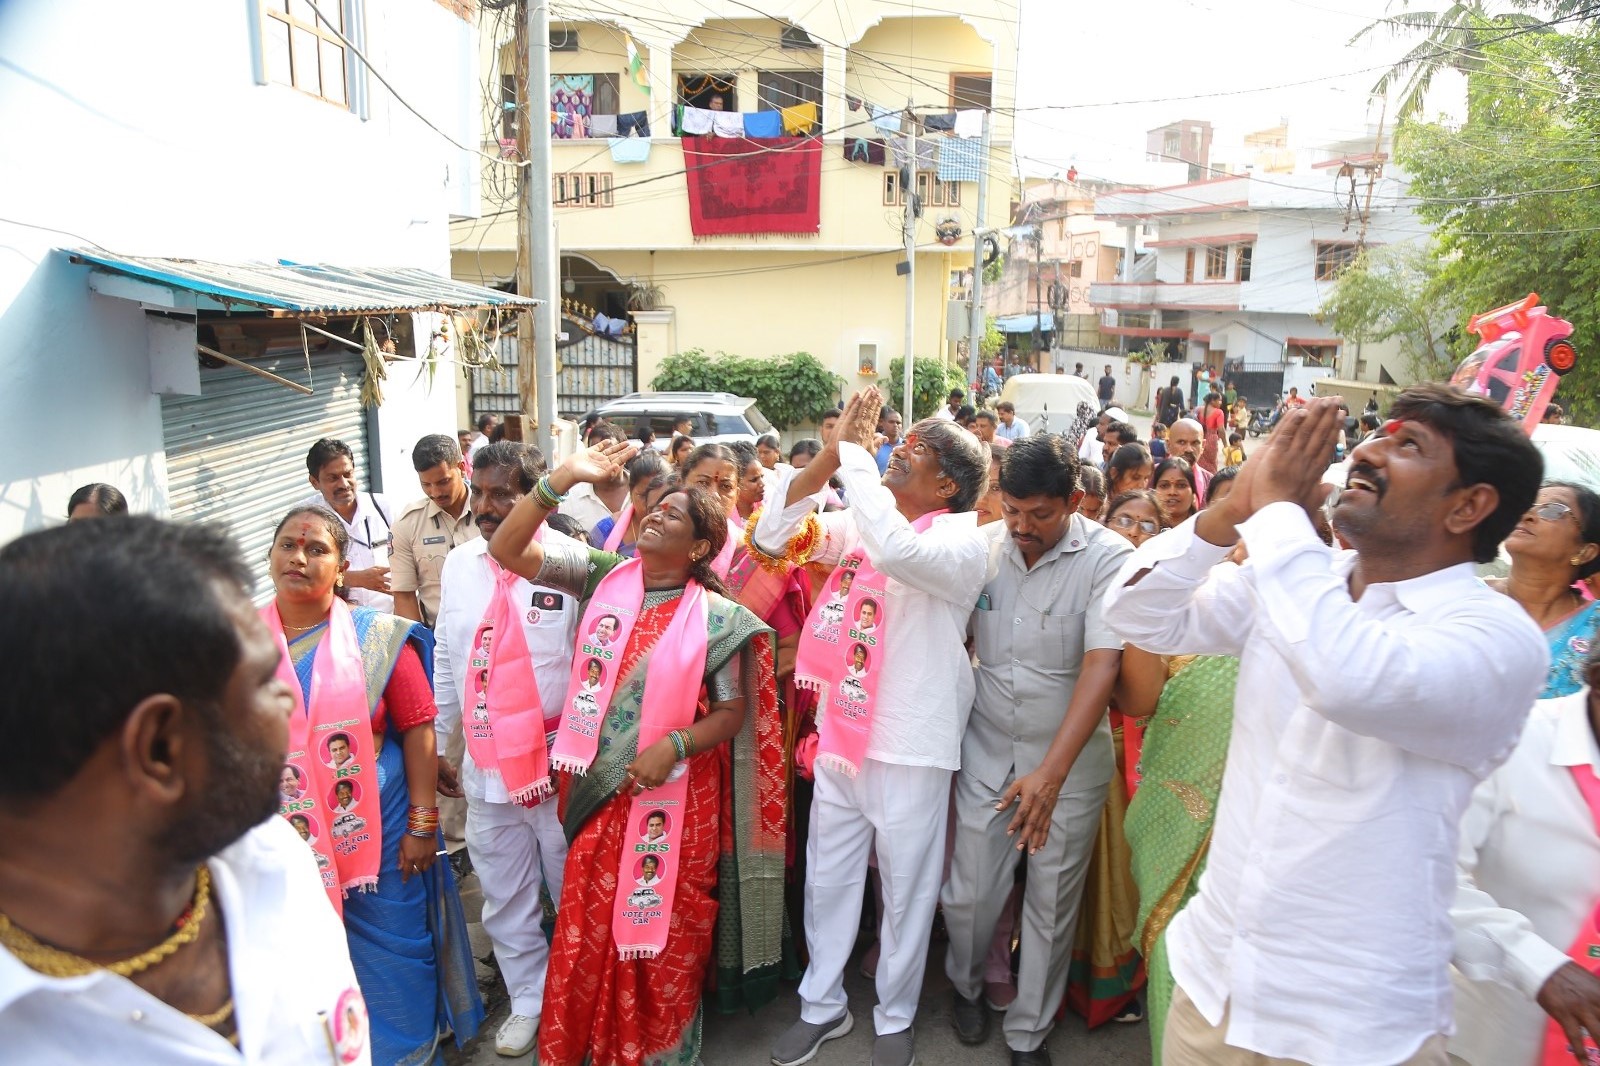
1392,426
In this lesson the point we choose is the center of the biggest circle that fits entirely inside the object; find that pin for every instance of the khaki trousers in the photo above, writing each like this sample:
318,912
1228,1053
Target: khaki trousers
1190,1040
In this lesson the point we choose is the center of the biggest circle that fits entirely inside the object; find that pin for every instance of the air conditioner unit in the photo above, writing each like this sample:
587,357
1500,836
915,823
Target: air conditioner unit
795,37
563,39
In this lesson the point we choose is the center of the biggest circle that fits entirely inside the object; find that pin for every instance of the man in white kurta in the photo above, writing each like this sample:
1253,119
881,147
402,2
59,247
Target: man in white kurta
895,803
516,850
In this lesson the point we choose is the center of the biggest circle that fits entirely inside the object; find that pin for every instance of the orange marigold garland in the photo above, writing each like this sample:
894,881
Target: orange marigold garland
801,547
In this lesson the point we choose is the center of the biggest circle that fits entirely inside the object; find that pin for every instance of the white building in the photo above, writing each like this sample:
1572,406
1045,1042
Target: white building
1241,265
243,132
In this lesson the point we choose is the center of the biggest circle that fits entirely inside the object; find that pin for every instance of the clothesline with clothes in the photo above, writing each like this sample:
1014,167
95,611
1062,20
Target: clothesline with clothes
950,143
796,120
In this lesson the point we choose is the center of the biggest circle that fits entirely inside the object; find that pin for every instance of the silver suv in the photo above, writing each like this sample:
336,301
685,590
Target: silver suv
717,416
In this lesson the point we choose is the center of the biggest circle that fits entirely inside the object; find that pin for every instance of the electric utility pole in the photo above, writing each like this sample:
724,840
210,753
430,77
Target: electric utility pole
536,247
979,321
909,187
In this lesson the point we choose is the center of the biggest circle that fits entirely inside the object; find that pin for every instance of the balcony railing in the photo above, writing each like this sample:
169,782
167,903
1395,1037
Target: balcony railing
1186,296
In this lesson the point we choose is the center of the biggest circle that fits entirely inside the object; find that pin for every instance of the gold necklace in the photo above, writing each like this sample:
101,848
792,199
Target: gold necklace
53,962
216,1017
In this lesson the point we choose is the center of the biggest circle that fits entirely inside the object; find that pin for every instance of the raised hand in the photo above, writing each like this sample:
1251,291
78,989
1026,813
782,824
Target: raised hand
859,423
1297,455
598,465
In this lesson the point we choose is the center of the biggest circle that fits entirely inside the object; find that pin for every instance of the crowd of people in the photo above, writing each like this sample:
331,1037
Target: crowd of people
1154,731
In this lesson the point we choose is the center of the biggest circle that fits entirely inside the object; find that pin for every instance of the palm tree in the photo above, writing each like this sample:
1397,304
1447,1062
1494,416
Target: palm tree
1456,38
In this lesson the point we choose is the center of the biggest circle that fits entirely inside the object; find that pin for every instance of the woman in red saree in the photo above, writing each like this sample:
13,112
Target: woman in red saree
1214,420
727,911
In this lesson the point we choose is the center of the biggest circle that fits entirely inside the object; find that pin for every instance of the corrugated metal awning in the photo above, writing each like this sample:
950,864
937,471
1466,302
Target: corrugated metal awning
287,290
1025,323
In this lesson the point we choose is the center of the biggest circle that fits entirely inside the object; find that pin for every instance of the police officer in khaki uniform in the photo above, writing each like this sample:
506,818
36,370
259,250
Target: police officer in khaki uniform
427,529
424,533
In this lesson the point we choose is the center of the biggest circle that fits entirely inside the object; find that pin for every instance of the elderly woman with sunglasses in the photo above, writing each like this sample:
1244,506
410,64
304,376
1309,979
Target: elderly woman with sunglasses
1553,548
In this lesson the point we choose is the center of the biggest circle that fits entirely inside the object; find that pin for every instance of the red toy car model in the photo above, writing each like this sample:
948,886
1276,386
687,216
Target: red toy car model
1525,351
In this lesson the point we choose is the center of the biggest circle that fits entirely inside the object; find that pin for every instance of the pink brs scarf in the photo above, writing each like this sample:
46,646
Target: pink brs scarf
505,731
619,527
647,876
841,656
332,800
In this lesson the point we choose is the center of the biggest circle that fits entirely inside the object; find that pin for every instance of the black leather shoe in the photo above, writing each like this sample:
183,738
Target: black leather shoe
971,1021
1040,1056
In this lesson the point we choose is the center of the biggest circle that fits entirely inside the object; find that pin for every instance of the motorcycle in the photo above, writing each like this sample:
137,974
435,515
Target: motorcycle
1262,419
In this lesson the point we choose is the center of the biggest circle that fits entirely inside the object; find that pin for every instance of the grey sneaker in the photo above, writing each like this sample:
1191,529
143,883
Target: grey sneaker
803,1039
895,1049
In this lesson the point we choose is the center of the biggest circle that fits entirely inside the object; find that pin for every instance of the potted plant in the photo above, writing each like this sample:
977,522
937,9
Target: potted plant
644,296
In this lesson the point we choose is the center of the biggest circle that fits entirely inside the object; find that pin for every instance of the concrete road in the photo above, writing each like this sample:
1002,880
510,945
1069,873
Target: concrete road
746,1040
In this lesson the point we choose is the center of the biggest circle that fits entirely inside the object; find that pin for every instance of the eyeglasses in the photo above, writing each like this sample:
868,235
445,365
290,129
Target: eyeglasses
1553,511
1127,522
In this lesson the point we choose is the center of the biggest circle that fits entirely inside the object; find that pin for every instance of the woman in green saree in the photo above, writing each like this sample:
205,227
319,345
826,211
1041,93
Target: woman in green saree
1185,709
1168,824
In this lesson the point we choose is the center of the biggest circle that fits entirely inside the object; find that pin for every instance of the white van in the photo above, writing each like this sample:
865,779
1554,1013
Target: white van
1048,402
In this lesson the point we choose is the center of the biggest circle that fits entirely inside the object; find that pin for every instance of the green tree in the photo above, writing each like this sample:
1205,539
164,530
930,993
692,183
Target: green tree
1514,195
931,381
790,389
993,340
1457,38
1392,292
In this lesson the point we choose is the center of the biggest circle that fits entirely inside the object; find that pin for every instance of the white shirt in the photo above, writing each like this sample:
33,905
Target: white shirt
1015,431
943,413
466,586
1529,874
926,687
586,506
287,959
368,531
1360,729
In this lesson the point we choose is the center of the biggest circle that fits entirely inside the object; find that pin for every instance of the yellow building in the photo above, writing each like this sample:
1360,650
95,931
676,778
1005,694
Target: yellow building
627,243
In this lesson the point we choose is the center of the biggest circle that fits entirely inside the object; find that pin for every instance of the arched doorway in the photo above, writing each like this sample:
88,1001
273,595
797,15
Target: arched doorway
588,289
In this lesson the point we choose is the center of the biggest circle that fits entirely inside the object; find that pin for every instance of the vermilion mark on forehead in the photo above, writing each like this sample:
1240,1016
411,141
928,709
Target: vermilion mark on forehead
1393,426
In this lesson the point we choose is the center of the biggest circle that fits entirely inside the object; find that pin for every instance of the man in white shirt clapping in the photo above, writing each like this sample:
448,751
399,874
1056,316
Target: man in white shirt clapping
922,687
1376,688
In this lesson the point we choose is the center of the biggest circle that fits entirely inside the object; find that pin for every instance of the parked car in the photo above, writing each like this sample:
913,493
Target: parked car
1048,402
719,417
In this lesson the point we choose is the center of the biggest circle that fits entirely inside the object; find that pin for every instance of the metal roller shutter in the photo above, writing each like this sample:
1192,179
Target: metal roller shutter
236,454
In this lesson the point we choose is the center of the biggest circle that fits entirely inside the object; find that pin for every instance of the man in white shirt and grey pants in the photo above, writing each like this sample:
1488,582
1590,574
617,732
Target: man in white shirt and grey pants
1376,688
515,849
897,802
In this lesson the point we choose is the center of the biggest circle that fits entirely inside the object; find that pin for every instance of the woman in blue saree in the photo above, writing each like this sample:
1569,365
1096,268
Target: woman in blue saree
1553,548
406,931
